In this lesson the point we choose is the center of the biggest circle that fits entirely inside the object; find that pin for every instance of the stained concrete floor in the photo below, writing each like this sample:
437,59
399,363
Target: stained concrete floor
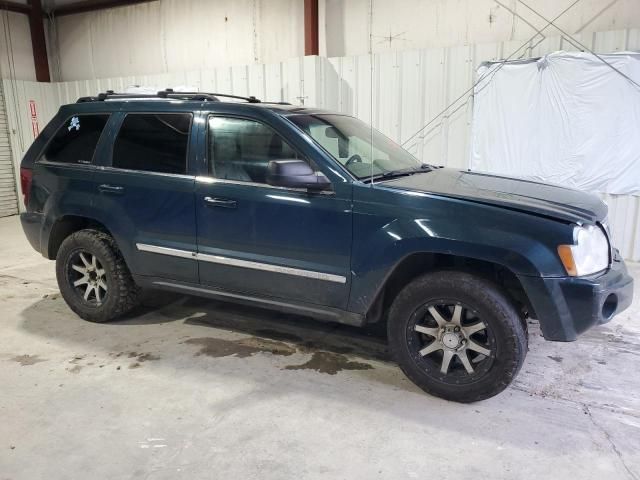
186,388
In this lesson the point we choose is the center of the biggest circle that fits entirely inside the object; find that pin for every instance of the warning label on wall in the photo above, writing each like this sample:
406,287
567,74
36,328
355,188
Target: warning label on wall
35,128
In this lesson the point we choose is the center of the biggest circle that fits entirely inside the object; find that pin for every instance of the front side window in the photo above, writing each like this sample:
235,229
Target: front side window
362,150
241,149
76,140
153,142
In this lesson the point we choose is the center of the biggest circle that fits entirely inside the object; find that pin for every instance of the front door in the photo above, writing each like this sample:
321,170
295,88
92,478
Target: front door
262,240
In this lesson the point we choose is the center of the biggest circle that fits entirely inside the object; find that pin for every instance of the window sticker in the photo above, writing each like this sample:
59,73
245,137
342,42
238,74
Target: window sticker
75,123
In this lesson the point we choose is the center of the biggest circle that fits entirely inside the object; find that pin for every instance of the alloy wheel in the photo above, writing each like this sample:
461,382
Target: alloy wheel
451,342
88,278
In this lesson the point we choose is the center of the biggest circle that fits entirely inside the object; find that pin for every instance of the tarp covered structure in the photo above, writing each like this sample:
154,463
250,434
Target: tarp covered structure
566,118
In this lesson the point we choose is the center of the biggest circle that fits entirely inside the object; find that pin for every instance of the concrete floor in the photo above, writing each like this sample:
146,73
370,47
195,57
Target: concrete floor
186,388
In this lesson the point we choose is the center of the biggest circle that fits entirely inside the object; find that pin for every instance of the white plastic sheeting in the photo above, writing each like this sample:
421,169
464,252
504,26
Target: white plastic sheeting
566,118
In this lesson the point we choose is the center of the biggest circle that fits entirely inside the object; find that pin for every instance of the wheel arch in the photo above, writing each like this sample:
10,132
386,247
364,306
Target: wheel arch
67,225
418,263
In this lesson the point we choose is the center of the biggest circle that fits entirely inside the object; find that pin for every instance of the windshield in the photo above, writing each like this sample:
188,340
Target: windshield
348,140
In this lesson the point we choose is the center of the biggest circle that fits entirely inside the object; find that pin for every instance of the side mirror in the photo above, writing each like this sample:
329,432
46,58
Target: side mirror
295,174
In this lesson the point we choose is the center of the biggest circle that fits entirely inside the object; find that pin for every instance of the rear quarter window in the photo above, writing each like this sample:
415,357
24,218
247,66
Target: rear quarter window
76,140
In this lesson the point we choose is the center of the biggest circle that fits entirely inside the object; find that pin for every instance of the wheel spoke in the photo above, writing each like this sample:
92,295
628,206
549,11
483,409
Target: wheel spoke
465,361
87,292
102,284
432,347
96,289
94,262
87,264
437,317
457,315
100,272
81,281
478,348
427,331
79,269
476,327
446,360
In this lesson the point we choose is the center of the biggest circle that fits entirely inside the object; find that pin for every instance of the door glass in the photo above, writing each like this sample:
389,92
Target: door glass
241,149
76,140
153,142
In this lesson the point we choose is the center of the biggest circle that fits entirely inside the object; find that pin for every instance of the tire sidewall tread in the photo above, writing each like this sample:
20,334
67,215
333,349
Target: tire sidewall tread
123,292
485,296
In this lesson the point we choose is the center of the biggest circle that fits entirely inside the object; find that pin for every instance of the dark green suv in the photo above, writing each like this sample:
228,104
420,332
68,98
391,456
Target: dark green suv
312,212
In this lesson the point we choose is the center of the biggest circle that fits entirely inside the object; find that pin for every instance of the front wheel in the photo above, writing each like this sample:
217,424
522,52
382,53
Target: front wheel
457,336
93,277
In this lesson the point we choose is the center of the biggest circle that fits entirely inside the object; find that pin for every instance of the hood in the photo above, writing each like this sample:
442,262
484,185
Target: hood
524,195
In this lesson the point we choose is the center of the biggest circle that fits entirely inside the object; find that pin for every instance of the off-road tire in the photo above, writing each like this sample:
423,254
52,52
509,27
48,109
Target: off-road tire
122,291
495,309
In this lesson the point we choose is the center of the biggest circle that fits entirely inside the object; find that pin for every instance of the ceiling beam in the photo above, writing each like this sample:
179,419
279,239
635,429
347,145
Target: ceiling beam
92,5
38,42
15,7
311,42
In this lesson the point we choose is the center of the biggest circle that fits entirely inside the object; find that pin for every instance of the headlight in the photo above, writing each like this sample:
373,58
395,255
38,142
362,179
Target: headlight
589,254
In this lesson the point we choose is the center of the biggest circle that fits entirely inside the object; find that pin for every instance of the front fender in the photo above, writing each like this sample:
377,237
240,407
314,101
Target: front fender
522,243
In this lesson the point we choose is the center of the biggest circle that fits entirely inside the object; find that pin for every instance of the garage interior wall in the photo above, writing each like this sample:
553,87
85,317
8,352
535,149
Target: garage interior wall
8,190
16,54
16,62
410,89
416,24
175,35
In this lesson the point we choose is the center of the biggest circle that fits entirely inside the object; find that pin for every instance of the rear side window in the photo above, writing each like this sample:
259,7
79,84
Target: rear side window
76,140
153,142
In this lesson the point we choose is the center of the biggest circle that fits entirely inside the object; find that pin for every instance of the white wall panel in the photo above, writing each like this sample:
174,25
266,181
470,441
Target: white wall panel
177,35
16,53
410,89
8,190
417,24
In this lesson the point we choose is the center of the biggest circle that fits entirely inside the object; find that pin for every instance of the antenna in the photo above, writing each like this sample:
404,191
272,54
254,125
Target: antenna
371,88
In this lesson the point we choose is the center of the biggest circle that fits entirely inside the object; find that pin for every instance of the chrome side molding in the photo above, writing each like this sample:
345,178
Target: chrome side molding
234,262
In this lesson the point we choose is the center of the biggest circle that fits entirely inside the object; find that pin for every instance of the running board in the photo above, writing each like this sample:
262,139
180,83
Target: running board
318,312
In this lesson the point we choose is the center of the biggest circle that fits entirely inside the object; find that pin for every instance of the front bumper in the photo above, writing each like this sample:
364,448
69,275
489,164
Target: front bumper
569,306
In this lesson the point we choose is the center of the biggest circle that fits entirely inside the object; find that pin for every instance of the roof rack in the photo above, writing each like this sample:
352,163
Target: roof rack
167,93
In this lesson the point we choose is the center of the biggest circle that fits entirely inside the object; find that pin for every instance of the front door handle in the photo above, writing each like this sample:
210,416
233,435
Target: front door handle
114,189
220,202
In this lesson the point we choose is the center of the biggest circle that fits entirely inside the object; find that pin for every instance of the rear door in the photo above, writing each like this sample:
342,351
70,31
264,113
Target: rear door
145,195
258,239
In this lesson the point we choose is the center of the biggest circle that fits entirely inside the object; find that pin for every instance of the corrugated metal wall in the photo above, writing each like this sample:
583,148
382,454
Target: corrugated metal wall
8,196
410,89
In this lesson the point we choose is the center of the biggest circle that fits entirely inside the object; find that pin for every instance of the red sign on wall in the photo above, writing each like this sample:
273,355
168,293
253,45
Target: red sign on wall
35,128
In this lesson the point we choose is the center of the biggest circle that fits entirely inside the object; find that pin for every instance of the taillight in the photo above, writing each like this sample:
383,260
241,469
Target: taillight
26,175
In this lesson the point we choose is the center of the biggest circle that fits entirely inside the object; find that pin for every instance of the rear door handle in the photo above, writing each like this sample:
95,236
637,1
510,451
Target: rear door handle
220,202
114,189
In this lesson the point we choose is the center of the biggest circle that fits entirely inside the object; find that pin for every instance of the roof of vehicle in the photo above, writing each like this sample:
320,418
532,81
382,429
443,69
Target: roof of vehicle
170,100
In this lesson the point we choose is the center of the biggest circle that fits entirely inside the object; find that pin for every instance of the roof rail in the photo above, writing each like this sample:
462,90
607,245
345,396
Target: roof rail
167,93
170,92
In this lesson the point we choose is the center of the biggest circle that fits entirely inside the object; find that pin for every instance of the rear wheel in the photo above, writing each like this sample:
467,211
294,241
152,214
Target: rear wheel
93,277
457,336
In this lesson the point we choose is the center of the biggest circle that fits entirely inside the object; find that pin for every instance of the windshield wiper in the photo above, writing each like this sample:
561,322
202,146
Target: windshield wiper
403,172
390,174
